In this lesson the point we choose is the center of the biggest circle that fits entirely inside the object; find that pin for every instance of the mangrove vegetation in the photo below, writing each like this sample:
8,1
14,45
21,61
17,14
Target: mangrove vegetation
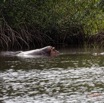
26,24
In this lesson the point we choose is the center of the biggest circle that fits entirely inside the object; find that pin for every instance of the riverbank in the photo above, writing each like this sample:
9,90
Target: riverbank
33,24
95,41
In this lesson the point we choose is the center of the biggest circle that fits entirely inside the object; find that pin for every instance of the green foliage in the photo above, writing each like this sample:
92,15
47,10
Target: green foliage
57,21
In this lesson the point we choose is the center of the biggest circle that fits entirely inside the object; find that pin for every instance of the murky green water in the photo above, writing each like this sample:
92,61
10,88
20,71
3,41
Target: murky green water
68,78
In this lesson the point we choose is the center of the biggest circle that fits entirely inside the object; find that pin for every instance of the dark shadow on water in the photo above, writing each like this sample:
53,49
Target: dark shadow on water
64,60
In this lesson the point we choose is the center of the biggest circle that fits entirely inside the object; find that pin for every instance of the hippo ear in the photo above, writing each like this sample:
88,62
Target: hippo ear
47,50
53,48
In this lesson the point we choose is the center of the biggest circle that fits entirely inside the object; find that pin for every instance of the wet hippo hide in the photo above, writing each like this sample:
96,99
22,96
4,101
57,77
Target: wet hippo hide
46,51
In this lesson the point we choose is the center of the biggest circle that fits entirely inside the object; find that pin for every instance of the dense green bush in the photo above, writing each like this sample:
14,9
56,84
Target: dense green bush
32,23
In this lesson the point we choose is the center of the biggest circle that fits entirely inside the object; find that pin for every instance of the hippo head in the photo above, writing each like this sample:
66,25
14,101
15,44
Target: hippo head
50,51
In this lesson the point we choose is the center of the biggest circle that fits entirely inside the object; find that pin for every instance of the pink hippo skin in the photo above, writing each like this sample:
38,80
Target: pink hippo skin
47,51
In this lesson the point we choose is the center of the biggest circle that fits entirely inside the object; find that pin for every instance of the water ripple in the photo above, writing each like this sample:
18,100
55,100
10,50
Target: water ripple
65,79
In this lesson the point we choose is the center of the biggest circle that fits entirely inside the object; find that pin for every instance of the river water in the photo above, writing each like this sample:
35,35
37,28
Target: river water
72,77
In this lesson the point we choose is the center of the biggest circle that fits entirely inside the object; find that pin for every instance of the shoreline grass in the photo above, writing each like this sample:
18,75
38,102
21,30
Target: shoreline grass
30,24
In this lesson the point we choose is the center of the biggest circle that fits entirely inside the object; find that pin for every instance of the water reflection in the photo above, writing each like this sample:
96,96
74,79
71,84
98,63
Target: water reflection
69,78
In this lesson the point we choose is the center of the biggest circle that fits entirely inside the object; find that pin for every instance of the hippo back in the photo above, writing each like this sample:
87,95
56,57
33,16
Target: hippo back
41,52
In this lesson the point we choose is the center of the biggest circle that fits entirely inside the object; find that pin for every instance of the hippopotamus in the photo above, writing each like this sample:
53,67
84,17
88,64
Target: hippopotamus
47,51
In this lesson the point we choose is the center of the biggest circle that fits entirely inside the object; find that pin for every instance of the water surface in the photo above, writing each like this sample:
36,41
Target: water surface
72,77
